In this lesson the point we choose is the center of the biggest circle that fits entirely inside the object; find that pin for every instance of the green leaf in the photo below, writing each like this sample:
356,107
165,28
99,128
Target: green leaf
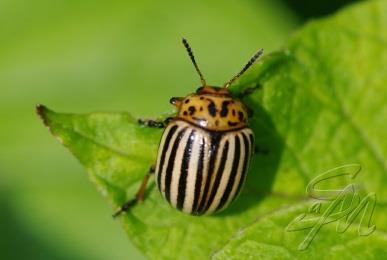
266,237
321,103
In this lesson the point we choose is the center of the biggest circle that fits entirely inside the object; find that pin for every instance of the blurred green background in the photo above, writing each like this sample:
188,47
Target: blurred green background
84,56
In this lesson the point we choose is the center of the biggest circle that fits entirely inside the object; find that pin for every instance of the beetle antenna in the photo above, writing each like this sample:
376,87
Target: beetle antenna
248,64
191,55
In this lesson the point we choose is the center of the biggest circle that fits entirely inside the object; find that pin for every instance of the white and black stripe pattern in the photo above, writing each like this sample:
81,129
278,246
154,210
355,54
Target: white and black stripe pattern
199,171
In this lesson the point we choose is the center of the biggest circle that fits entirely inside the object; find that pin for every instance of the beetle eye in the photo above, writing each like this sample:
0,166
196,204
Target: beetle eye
199,89
172,101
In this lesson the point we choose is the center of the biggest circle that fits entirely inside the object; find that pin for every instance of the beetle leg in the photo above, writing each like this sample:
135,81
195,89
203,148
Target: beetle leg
155,123
139,195
152,123
248,91
168,120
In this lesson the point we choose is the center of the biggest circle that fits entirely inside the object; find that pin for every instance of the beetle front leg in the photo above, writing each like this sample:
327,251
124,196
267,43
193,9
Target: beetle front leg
248,91
139,195
154,123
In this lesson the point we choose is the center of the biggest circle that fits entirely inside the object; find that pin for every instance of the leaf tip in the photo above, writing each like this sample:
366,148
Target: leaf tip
41,110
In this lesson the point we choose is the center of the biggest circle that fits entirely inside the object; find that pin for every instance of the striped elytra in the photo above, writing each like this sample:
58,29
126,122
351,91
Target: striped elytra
200,171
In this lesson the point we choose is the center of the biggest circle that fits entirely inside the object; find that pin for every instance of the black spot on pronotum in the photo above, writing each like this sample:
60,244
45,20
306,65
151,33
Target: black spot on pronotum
241,116
185,113
233,112
224,110
201,108
192,110
201,98
187,101
212,108
216,122
232,123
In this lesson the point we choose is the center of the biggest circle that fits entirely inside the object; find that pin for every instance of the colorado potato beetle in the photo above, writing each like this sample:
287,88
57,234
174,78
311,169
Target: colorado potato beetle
205,149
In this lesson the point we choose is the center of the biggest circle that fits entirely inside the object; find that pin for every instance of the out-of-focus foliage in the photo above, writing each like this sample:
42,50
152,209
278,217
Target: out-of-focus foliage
321,104
82,55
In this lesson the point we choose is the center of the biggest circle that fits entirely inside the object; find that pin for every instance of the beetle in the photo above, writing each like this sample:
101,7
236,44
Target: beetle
205,150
